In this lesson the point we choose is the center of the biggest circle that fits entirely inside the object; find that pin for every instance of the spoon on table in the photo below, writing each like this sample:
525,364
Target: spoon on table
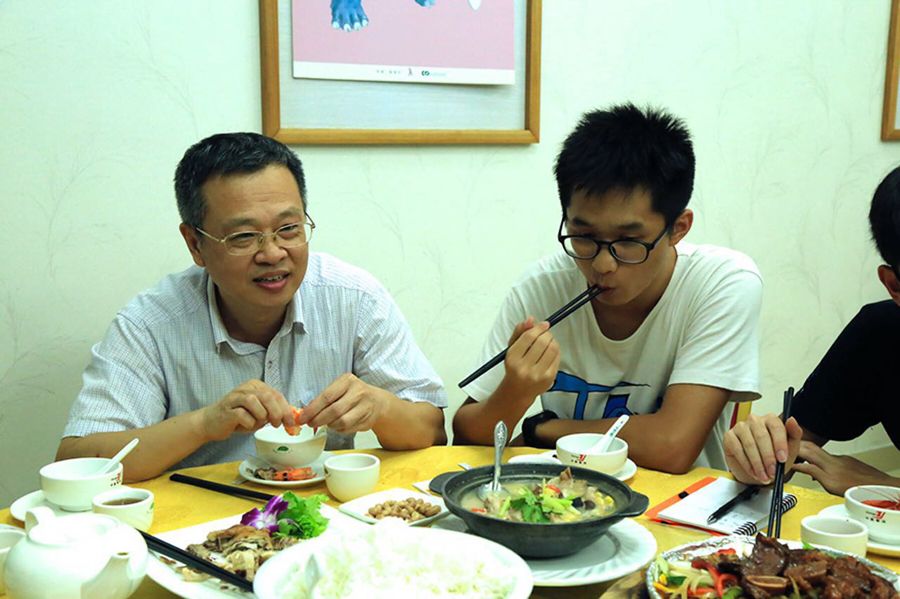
111,465
493,488
603,444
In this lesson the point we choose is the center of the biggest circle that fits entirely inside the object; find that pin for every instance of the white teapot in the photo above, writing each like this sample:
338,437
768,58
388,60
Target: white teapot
78,556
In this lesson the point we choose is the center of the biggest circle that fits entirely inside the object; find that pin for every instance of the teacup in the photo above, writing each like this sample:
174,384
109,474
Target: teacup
129,505
72,484
351,475
883,522
573,450
9,536
838,533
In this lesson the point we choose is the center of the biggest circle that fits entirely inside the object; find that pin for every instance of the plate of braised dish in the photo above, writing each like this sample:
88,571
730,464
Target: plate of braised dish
736,566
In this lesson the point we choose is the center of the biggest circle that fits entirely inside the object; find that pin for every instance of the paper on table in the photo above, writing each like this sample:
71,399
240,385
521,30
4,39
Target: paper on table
747,517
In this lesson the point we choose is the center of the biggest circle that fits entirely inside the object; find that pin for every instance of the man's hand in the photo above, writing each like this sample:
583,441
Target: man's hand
347,405
753,447
838,473
532,359
246,408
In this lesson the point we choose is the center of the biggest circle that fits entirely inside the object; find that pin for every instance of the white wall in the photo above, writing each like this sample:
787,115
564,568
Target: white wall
99,99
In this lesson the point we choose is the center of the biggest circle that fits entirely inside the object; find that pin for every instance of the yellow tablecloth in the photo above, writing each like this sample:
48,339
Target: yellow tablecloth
179,505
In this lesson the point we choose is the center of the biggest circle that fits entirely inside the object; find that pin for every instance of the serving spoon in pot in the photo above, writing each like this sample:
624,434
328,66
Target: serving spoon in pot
493,488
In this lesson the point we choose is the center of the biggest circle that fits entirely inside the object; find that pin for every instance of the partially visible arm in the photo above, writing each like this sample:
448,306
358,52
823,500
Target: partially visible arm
162,445
837,473
246,408
669,440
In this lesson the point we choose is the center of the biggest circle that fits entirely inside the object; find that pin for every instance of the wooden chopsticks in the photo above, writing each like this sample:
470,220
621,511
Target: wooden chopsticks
581,299
774,529
192,561
220,488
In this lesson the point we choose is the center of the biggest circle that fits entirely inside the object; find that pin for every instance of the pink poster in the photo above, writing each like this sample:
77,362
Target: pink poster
422,41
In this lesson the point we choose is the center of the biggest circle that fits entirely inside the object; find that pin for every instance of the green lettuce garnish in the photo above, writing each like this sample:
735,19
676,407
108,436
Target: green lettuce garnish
302,518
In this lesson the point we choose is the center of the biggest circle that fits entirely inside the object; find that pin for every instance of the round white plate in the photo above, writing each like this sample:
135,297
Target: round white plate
549,457
359,507
839,511
625,548
33,499
246,470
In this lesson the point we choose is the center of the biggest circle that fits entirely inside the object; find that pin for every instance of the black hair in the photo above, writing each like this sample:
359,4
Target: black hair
625,147
226,154
884,219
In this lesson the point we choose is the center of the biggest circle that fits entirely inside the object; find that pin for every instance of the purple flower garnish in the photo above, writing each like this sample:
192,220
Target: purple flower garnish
268,517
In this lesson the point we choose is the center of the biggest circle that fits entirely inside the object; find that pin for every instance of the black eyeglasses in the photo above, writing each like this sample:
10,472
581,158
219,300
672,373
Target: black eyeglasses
626,251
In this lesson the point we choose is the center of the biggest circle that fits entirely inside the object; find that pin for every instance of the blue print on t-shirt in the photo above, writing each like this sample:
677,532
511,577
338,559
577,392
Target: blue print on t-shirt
615,404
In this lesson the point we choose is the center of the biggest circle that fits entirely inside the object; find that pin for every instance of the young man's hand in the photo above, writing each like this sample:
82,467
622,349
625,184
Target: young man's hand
532,359
246,408
838,473
754,446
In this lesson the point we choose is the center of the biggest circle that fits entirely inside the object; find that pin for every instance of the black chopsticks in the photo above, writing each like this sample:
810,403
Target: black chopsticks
220,488
581,299
774,529
192,561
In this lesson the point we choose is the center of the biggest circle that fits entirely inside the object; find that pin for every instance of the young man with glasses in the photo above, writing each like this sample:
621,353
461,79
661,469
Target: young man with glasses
852,389
258,326
671,339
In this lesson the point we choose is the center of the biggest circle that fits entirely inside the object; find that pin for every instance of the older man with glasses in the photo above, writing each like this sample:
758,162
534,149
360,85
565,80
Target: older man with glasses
671,339
259,326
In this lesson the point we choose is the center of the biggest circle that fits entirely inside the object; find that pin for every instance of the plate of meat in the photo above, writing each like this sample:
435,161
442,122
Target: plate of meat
742,566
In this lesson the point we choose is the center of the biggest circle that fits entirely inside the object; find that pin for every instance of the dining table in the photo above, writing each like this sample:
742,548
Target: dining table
178,505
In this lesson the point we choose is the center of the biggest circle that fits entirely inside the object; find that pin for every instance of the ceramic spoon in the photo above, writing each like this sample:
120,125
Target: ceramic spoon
111,465
603,444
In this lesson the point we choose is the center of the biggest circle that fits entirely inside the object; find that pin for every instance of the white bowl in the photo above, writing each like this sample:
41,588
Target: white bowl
572,450
837,533
276,446
72,484
883,523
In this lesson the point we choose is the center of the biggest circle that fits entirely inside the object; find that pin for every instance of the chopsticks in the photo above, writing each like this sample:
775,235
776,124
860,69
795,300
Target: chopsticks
192,561
774,529
581,299
220,488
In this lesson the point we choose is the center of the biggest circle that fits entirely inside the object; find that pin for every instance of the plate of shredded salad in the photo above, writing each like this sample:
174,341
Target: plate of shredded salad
701,570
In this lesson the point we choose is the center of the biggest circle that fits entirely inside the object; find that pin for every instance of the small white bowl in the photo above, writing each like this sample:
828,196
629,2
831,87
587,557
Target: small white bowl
351,475
572,450
883,523
72,484
837,533
276,446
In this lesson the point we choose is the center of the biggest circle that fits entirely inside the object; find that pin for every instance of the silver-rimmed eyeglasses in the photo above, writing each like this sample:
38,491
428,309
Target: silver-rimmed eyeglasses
626,251
244,243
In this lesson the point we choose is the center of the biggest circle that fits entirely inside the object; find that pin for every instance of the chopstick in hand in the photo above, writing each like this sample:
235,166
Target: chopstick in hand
220,488
192,561
581,299
774,529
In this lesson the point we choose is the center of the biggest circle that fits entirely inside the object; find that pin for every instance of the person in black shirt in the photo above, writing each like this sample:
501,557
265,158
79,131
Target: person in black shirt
853,388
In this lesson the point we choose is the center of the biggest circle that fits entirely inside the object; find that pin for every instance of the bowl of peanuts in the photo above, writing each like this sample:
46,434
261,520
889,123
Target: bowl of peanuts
404,505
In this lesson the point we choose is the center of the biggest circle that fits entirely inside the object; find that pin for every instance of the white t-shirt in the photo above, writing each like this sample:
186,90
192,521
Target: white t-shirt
703,331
